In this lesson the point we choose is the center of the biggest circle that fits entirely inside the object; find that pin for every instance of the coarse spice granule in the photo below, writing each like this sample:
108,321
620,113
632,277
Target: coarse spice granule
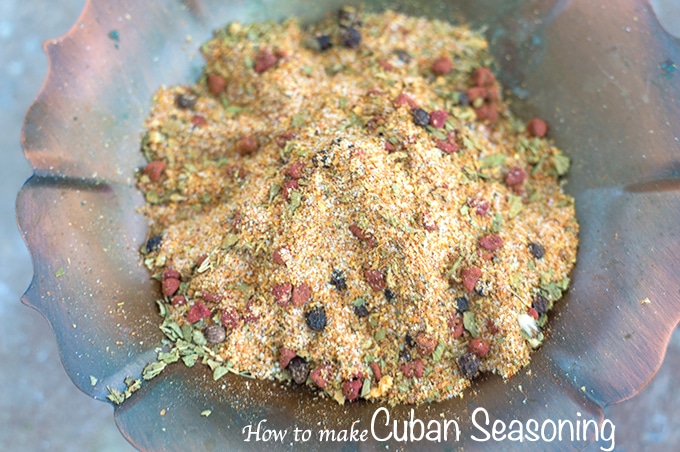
352,206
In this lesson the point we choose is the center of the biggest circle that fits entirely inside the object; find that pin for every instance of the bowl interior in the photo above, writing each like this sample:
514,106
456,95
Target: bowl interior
600,76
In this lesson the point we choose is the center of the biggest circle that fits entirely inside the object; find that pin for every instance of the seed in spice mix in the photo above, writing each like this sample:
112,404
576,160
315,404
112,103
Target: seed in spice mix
366,220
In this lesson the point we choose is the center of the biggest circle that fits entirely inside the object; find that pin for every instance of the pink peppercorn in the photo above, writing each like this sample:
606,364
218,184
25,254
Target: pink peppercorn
491,242
230,318
295,170
216,84
264,60
197,312
351,389
438,118
537,127
154,170
442,66
170,286
479,347
470,276
282,293
285,355
301,294
515,177
375,279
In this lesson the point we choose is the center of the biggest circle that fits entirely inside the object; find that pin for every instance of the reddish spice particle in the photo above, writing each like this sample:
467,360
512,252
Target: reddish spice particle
456,325
487,256
170,286
389,147
277,255
317,377
405,99
413,369
288,187
282,293
230,318
482,207
264,60
426,342
447,147
280,54
429,224
178,300
200,260
154,170
515,177
483,77
442,66
362,235
491,326
533,313
247,145
216,84
479,347
385,65
295,170
375,279
377,373
283,139
198,121
470,276
488,112
249,316
493,94
301,294
285,355
476,92
537,127
211,297
171,273
438,118
351,389
491,242
235,171
197,312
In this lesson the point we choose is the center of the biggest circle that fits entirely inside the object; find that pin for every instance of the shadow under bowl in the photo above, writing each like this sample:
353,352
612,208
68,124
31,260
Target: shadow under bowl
601,75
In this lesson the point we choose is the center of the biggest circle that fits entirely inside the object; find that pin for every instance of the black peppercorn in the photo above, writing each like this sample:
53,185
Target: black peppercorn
351,37
324,42
186,101
338,279
540,304
322,159
536,250
463,99
215,334
299,370
421,117
316,318
461,304
403,55
361,310
469,365
153,243
409,340
389,294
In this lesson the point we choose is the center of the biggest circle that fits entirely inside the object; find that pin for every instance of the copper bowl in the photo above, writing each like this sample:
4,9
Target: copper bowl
603,77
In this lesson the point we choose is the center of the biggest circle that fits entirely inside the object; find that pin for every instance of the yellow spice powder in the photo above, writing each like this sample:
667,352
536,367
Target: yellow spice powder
353,206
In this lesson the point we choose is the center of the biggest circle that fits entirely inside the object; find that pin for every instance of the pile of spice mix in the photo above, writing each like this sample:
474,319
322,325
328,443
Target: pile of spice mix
353,207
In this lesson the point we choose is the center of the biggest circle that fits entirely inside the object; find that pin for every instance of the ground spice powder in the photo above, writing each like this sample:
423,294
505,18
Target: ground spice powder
343,186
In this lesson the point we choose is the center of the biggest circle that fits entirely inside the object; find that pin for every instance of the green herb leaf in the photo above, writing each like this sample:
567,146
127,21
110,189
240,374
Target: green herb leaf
365,388
561,163
469,323
115,395
273,191
380,334
206,413
359,302
93,380
492,161
153,369
295,201
220,372
516,206
438,352
59,273
229,241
